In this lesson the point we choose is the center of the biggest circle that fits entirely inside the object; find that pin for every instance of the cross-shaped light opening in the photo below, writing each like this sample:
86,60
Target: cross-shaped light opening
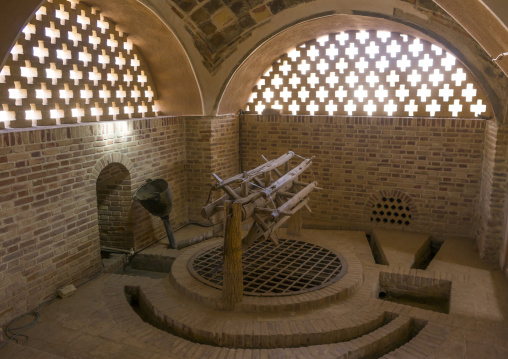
436,77
285,94
414,78
432,108
381,93
350,107
313,53
62,15
277,81
121,94
362,65
85,57
394,48
372,79
390,108
313,80
83,20
382,64
322,66
94,40
341,65
303,67
268,94
52,32
331,52
402,93
416,47
66,94
86,94
455,108
469,92
478,108
322,94
425,63
294,81
360,93
95,76
332,80
362,36
43,93
341,94
53,73
372,50
312,108
331,108
64,54
105,94
112,77
446,92
411,107
392,78
351,51
370,108
303,94
424,92
29,72
352,79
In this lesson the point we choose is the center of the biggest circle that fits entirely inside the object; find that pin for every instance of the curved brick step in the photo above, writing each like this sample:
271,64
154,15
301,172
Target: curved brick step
171,312
391,340
422,345
186,284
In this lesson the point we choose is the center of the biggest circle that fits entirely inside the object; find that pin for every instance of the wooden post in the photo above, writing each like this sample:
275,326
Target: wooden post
295,224
233,275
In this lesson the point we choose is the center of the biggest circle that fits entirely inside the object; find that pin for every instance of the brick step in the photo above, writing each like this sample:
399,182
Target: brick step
188,285
395,337
168,310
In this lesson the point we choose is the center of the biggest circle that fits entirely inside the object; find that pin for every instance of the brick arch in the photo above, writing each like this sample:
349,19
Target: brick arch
108,159
384,197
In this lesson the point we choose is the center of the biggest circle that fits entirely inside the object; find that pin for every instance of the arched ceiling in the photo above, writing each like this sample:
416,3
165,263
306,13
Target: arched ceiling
196,48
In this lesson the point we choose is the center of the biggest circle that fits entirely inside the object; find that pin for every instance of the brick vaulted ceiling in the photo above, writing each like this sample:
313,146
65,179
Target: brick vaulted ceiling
214,39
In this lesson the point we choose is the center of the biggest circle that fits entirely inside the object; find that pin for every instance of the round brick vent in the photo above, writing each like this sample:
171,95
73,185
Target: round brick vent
391,210
292,267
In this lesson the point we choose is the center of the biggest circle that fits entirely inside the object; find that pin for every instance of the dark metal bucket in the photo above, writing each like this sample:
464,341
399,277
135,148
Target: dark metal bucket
156,197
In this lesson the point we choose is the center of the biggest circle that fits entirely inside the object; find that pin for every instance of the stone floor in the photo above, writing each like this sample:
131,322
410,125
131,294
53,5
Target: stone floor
98,321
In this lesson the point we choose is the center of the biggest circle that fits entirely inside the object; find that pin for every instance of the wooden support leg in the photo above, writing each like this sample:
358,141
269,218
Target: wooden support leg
233,275
295,224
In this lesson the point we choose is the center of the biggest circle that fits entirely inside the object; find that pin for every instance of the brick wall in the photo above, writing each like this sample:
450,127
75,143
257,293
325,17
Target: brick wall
492,228
212,147
436,162
49,232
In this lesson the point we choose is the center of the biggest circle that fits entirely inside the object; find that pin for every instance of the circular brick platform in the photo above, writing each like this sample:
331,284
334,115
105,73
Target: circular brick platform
188,285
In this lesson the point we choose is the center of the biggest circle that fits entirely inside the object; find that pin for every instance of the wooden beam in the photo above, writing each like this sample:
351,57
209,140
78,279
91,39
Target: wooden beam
232,291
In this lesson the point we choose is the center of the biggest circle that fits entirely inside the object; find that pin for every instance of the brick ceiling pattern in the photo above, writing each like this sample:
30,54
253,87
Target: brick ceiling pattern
369,73
72,65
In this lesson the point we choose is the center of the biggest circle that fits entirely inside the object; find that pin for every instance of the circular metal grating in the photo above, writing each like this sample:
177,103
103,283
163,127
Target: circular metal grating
293,267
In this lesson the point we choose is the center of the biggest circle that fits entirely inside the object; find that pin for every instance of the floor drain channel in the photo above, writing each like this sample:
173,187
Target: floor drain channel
293,267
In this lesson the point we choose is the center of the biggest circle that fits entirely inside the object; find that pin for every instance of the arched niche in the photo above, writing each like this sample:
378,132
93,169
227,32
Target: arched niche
177,87
113,188
244,77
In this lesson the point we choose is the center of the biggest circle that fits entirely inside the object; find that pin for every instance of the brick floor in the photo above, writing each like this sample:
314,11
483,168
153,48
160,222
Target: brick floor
98,322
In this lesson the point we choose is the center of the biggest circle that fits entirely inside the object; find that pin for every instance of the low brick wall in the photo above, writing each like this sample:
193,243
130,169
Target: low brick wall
436,162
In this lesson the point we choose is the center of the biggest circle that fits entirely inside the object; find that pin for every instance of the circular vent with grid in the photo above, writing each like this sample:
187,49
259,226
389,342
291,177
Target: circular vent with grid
391,210
292,267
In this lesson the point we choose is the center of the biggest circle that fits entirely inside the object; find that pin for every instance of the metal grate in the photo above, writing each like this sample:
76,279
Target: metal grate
293,267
